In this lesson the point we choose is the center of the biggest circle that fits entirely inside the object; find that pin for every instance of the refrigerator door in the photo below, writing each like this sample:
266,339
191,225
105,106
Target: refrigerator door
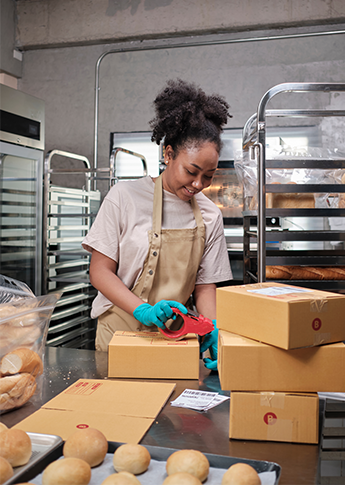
21,175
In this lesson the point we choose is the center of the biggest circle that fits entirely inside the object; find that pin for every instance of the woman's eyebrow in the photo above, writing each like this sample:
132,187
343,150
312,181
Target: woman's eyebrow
199,168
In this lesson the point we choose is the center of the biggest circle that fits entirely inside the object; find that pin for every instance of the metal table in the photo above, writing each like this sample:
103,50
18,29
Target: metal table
178,427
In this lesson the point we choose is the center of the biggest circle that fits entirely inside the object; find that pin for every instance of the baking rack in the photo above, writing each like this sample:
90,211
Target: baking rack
68,215
254,147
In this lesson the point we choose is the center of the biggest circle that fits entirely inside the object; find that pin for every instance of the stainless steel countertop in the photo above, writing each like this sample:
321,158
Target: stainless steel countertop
177,427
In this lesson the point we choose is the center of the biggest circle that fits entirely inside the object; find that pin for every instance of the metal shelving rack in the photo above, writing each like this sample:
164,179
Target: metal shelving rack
331,467
254,142
68,214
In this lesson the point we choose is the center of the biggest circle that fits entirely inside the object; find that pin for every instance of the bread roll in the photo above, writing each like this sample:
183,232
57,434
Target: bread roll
67,471
188,461
18,335
181,478
122,478
16,390
241,474
6,470
15,446
21,360
88,444
3,427
131,458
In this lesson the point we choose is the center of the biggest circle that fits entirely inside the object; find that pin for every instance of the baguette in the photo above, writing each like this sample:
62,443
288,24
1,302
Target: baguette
305,273
21,360
16,390
342,194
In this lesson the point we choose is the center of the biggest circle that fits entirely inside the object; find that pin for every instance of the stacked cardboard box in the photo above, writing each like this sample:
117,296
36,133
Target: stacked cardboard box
278,346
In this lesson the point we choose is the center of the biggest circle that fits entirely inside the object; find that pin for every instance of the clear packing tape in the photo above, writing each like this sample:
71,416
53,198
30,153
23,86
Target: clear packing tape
24,322
246,170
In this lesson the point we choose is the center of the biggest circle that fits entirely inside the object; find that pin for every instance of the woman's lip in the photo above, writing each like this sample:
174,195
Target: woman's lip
190,191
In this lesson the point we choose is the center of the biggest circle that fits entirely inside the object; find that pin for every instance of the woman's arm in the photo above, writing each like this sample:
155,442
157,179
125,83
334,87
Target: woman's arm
103,278
205,300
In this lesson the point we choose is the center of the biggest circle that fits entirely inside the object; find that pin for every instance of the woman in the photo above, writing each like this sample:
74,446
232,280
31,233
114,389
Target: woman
156,242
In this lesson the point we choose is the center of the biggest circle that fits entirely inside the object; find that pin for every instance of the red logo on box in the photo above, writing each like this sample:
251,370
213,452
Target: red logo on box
82,426
316,324
270,418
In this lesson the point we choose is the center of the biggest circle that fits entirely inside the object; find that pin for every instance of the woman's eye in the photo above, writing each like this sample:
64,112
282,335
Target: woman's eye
191,173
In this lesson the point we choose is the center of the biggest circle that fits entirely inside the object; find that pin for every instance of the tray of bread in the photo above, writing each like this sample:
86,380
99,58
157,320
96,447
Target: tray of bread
87,458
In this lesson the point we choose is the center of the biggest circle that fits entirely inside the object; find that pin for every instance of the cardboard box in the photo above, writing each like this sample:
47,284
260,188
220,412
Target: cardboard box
248,365
286,316
147,355
122,410
272,416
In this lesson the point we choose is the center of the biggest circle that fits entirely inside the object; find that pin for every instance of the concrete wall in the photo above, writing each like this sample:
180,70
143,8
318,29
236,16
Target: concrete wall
241,70
10,59
48,23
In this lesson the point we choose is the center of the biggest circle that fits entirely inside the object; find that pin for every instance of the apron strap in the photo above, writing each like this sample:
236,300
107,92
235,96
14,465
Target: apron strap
146,282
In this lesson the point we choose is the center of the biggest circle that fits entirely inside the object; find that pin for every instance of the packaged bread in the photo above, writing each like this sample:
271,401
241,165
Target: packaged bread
290,200
24,323
16,390
18,372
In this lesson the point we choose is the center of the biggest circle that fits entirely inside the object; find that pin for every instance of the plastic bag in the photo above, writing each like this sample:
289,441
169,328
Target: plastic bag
24,322
12,290
246,169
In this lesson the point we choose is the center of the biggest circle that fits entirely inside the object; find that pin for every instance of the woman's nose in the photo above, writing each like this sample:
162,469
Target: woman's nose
197,183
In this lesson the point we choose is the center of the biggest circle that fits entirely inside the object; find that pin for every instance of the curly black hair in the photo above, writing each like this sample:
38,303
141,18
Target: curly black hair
186,116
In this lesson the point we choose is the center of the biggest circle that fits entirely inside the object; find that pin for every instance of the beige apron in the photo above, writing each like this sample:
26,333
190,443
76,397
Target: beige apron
169,271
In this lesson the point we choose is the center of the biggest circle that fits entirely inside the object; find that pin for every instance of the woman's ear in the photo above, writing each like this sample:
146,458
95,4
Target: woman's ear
169,154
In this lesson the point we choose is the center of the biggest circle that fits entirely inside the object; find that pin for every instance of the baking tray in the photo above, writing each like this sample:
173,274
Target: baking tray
45,449
160,455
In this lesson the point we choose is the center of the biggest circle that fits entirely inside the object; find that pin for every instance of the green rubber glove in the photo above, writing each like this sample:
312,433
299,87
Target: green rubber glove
210,342
157,314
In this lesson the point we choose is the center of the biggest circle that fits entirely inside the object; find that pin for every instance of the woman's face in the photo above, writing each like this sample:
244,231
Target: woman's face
191,170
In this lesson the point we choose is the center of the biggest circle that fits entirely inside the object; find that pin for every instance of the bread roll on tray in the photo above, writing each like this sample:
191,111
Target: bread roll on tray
131,458
241,474
188,461
89,444
122,478
67,471
15,446
6,470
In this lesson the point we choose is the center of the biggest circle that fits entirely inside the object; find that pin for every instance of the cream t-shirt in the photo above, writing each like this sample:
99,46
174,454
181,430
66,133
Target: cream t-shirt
120,231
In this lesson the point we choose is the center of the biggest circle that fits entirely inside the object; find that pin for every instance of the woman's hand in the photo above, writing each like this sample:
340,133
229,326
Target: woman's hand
210,342
157,314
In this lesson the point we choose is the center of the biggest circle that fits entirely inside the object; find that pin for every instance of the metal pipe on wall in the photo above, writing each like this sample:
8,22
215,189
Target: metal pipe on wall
188,43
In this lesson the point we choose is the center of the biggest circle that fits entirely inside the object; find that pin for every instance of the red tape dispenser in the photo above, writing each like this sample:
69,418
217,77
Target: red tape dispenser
190,323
